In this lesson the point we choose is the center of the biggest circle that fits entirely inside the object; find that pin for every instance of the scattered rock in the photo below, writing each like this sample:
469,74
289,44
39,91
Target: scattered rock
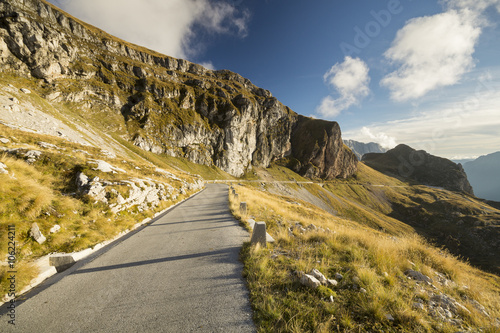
81,151
319,276
418,306
53,96
14,100
446,308
32,155
331,299
312,227
106,167
479,307
362,290
4,140
418,276
310,281
389,317
332,283
55,229
37,234
338,276
441,279
3,168
26,91
47,145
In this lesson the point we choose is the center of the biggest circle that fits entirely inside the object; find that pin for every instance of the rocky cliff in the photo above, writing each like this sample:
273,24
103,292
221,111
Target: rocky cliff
420,166
159,103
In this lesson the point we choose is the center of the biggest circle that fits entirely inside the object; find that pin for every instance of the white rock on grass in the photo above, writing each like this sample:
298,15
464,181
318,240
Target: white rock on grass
81,180
47,145
332,283
310,281
37,234
3,168
106,167
32,155
4,140
55,229
26,91
319,276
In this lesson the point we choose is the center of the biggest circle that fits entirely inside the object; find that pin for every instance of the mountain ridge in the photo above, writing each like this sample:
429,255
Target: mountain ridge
420,166
361,148
161,104
484,176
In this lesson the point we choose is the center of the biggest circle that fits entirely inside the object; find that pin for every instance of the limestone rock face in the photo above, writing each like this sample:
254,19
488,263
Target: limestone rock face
161,104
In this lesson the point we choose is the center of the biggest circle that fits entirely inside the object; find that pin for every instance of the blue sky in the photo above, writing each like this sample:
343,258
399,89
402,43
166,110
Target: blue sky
425,73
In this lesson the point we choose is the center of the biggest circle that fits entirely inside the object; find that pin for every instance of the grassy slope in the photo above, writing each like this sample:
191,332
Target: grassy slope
370,249
44,193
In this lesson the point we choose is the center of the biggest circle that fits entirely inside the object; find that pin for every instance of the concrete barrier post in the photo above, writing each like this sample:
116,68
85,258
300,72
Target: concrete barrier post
61,261
243,208
259,234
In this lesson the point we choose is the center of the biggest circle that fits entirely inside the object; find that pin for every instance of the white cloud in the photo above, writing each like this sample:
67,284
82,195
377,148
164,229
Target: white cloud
432,52
436,51
208,65
468,128
349,80
477,6
381,138
163,25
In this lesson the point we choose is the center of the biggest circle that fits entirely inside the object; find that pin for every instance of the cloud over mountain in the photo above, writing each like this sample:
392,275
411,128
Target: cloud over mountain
349,80
166,26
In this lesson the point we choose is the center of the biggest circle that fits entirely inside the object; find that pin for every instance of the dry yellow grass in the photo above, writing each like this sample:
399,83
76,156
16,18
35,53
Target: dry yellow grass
373,260
44,193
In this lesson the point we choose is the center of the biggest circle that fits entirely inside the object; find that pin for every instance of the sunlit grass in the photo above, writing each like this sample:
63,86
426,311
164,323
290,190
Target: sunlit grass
44,193
368,259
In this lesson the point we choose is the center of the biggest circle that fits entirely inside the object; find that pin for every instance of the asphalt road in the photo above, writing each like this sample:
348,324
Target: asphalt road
179,274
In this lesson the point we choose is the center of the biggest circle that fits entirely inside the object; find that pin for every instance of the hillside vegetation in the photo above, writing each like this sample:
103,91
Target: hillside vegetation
39,184
367,252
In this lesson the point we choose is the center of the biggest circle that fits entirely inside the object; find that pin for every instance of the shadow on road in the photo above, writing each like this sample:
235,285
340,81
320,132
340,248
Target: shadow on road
229,251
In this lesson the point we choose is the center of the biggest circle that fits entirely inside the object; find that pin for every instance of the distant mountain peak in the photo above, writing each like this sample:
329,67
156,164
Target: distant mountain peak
419,166
361,148
484,176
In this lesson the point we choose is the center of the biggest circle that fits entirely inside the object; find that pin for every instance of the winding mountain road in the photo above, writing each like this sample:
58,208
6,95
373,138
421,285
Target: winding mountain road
178,274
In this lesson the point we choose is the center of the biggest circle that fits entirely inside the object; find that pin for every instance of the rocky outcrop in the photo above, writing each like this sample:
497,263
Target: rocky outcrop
319,151
141,193
419,166
159,103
